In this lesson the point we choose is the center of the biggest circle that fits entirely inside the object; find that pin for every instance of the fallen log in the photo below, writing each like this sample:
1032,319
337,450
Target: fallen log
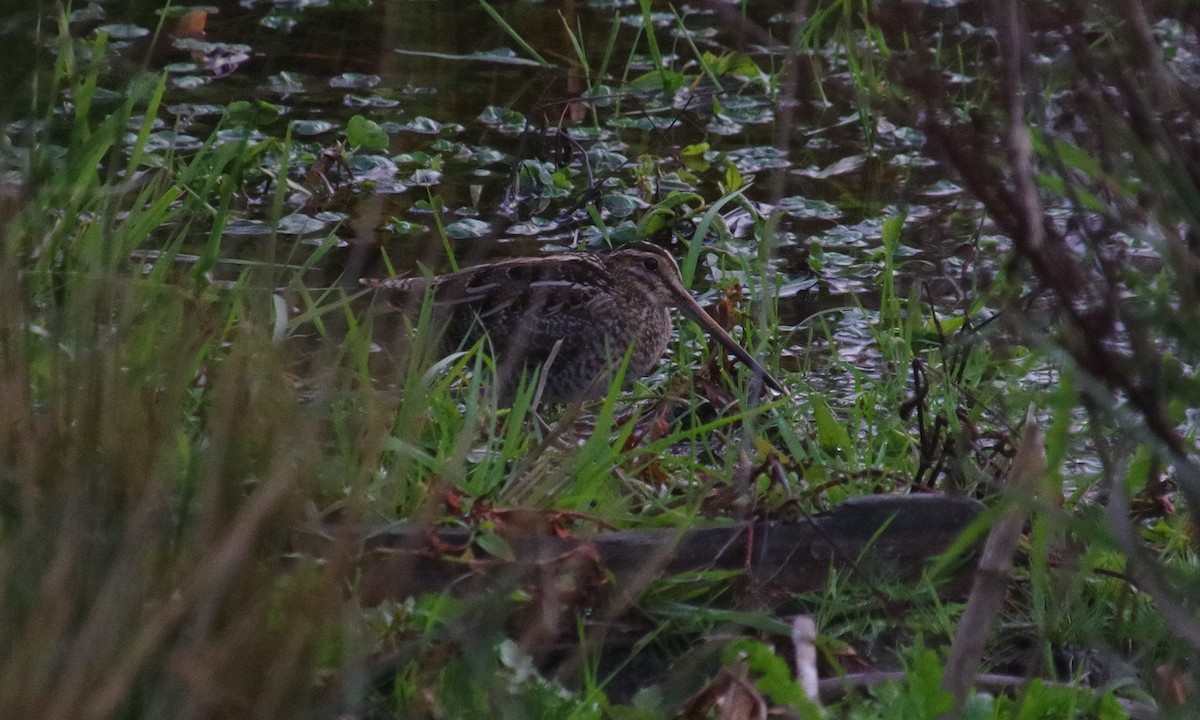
883,533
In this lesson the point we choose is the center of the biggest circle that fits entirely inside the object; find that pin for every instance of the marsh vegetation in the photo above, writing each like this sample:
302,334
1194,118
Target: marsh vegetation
961,235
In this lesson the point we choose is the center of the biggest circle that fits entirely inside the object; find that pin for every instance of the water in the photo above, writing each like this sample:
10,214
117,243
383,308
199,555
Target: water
464,106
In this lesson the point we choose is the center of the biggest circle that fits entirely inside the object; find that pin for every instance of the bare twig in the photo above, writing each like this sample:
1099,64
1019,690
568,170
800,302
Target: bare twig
995,566
804,635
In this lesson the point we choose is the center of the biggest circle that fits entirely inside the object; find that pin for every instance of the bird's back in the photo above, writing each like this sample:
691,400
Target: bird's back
562,308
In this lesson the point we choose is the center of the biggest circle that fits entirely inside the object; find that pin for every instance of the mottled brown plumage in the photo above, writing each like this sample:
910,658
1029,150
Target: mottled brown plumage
579,311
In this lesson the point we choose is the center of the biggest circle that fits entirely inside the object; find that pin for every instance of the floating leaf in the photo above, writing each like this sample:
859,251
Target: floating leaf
415,158
425,177
664,81
487,156
444,146
123,31
942,189
330,216
468,228
285,83
642,122
167,140
372,167
722,125
803,207
620,205
309,128
240,135
502,56
354,80
404,227
299,224
423,125
762,157
795,287
195,109
372,101
841,167
603,160
741,65
534,226
246,227
246,113
189,82
497,116
274,21
93,12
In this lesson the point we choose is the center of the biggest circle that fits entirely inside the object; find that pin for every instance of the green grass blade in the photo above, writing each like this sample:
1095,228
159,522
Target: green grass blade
514,34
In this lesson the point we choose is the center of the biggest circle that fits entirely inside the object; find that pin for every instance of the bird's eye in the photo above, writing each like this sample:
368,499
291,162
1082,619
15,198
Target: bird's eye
650,264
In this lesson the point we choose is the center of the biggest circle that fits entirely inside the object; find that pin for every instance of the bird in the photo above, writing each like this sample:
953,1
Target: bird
574,315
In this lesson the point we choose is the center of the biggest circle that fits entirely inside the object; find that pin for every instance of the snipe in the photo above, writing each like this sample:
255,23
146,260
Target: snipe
575,314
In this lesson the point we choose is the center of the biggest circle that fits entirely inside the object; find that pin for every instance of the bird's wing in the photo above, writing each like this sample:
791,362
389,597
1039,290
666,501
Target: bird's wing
526,304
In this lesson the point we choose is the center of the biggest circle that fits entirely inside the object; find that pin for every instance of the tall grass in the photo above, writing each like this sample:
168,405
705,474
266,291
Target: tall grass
154,458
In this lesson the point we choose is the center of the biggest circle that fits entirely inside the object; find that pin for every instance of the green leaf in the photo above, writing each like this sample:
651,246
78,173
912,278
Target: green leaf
831,434
733,178
514,34
741,65
494,545
365,134
404,227
666,81
925,685
619,205
693,157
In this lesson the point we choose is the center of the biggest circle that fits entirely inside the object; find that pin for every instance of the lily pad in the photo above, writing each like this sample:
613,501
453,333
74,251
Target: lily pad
424,125
354,80
403,227
754,159
310,128
425,177
468,228
503,118
372,167
844,166
189,82
283,23
299,224
123,31
621,205
803,207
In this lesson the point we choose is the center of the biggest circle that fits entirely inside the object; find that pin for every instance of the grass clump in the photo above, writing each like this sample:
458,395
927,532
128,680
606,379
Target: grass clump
154,457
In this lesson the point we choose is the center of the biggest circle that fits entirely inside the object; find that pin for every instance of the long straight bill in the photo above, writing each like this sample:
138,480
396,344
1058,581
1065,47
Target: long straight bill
691,308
